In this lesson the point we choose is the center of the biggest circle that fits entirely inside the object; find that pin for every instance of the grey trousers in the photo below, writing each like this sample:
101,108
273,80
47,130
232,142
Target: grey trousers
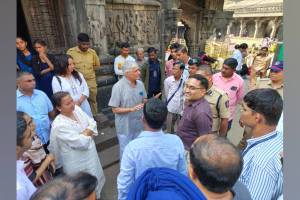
172,122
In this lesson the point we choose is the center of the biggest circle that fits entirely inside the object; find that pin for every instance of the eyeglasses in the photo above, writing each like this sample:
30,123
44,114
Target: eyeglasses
190,87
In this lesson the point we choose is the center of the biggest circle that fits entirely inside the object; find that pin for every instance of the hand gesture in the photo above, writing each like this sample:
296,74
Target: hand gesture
137,107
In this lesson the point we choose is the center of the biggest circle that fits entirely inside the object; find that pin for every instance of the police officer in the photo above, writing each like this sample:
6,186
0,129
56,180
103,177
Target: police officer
275,81
86,61
218,101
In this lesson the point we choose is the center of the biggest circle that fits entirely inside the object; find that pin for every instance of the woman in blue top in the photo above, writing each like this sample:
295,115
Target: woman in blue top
24,56
42,64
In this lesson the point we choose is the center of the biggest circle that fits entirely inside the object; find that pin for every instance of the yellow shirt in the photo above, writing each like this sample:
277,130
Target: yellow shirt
85,62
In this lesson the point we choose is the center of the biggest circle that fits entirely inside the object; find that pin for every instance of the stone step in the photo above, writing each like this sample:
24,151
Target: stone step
105,80
105,69
109,157
107,146
103,96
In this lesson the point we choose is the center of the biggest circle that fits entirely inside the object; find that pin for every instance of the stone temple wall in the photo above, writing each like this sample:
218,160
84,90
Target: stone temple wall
142,23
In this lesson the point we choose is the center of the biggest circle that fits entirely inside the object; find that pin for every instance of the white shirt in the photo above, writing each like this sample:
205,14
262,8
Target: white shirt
239,57
119,62
75,88
186,72
170,86
25,187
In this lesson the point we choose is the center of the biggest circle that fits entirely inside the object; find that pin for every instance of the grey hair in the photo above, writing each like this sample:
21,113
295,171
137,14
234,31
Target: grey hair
140,49
129,65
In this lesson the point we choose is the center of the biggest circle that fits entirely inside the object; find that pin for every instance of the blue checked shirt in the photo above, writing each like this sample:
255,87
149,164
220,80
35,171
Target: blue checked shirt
262,171
37,106
148,150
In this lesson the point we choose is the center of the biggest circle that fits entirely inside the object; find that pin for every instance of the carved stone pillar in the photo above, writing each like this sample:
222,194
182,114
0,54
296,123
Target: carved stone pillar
256,28
241,27
95,11
275,26
228,28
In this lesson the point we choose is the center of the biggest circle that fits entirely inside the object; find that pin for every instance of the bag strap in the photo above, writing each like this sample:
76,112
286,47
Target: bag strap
217,105
59,81
181,80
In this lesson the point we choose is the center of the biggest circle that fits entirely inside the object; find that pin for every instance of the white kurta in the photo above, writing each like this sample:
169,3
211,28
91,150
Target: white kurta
75,89
74,151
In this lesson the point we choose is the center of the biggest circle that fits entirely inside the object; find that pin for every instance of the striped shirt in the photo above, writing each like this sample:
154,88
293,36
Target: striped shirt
262,171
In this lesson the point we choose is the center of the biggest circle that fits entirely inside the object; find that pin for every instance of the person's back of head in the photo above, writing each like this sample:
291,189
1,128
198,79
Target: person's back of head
70,187
266,102
215,163
155,113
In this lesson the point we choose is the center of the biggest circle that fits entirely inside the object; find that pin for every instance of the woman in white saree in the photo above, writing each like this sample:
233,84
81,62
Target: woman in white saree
71,140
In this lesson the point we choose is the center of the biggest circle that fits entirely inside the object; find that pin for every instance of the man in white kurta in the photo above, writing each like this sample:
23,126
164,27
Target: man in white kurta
127,99
75,151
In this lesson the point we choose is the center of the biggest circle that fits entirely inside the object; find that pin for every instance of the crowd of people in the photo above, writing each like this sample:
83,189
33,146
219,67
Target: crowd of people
171,118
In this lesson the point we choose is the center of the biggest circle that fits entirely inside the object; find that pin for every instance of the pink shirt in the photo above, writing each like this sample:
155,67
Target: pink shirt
234,87
169,67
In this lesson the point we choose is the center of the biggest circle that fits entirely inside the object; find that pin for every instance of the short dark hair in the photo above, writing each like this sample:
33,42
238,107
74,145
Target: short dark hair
83,37
21,127
39,41
151,49
206,68
182,48
181,64
57,97
267,102
174,45
155,113
216,162
243,46
202,79
194,61
124,45
71,187
231,62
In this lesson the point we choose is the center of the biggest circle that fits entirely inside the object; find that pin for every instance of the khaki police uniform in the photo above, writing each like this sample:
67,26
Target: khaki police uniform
86,63
212,97
260,83
267,83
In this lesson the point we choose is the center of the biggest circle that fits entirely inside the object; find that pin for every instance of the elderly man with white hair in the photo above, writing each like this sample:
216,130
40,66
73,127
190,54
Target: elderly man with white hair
127,100
140,57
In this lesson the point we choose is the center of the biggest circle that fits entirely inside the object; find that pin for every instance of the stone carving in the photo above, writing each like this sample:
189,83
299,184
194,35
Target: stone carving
138,27
96,32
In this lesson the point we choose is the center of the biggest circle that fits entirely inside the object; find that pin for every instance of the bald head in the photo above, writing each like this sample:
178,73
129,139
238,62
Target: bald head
216,162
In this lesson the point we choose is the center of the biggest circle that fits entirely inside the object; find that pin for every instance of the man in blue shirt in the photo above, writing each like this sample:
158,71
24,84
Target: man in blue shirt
152,148
36,104
262,171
